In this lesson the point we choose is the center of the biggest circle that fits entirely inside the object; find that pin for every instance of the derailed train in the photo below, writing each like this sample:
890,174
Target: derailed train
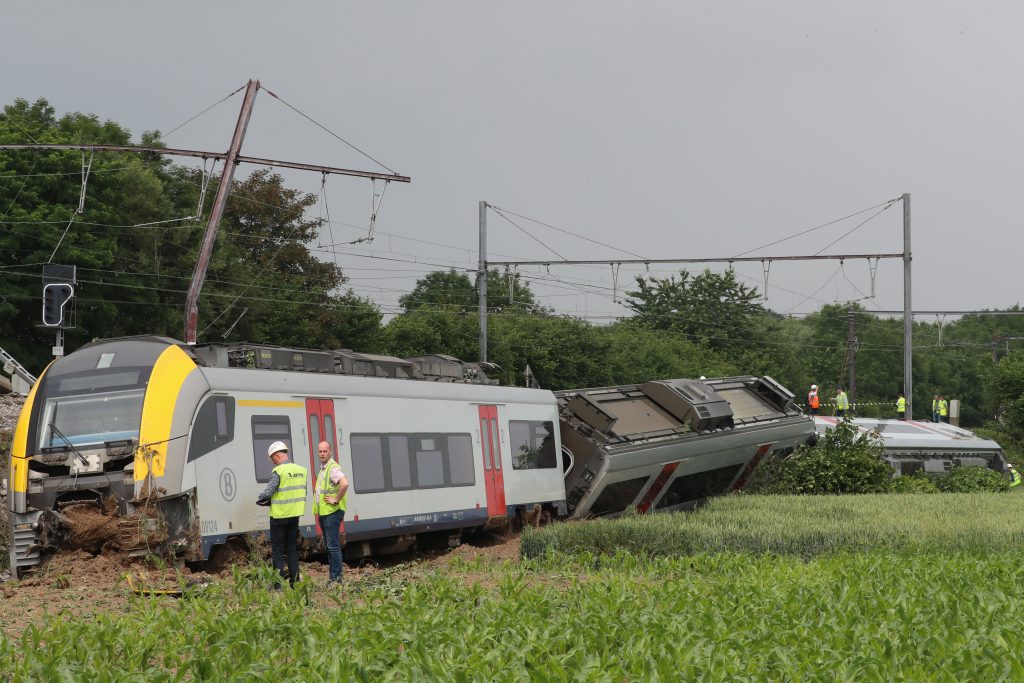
433,449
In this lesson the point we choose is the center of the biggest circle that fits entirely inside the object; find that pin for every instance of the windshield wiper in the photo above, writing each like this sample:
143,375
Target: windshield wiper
74,449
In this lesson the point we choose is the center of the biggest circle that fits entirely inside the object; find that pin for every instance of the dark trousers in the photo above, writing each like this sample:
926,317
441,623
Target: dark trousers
284,543
901,416
331,524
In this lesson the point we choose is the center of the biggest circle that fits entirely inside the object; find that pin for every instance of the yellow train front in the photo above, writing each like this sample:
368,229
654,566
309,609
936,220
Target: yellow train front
177,437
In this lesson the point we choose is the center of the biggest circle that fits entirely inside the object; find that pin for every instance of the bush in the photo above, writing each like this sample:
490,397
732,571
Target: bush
914,484
971,479
843,461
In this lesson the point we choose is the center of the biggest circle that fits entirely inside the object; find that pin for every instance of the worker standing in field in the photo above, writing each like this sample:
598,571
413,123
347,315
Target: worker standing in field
842,403
329,502
943,409
901,407
935,408
813,402
1014,475
286,495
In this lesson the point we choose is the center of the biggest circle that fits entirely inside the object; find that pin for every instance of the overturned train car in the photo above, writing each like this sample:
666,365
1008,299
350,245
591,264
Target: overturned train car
668,445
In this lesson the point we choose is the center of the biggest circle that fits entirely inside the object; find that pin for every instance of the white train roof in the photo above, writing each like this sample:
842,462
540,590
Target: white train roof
906,434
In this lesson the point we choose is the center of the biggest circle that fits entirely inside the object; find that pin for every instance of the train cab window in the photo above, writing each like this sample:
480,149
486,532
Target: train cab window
533,444
460,460
398,459
429,462
266,429
214,426
367,463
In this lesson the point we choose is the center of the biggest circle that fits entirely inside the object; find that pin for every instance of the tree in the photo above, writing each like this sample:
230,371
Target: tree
843,461
711,308
455,291
136,244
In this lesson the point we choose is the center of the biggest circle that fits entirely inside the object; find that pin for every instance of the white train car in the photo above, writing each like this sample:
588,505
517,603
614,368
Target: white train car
149,420
936,448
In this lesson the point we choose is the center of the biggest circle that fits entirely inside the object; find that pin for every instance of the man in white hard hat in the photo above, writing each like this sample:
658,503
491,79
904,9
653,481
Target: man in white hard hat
1014,475
813,402
286,495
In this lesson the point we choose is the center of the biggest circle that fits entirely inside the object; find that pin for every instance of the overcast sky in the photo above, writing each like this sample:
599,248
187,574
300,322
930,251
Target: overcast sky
668,129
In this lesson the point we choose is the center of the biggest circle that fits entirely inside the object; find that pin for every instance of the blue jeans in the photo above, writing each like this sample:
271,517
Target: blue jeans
331,524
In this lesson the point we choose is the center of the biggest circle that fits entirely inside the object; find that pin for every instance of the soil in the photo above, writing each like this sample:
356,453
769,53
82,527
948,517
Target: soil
83,584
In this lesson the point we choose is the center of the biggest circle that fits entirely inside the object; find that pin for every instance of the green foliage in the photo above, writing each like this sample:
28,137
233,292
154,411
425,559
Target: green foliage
913,484
456,292
707,617
801,525
971,479
843,461
712,308
263,283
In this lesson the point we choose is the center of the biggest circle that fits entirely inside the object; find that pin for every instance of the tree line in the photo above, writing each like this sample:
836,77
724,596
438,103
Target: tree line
267,283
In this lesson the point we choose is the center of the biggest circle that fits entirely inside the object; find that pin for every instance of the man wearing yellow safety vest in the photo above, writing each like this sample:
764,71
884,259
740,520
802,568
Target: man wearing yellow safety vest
286,495
943,409
329,500
842,403
901,407
1014,475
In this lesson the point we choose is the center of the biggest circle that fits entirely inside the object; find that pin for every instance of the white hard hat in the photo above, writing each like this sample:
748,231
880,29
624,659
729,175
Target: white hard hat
276,447
814,386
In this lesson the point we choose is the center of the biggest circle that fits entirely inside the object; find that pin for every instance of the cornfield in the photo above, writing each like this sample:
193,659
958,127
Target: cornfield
881,612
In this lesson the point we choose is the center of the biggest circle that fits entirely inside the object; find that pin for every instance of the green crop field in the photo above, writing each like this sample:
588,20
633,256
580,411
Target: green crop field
893,612
805,526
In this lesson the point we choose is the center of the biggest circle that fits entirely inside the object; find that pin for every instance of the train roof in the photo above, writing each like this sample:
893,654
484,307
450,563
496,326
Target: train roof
675,408
912,434
328,385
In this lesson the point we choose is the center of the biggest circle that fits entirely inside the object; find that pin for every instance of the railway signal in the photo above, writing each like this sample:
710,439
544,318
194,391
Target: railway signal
56,297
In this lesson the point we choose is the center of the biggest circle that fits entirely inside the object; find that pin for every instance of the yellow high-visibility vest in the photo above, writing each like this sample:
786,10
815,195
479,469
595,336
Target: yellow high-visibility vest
289,500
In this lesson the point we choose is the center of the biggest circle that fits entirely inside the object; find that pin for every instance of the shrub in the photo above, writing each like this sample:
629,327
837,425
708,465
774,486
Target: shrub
914,484
843,461
971,479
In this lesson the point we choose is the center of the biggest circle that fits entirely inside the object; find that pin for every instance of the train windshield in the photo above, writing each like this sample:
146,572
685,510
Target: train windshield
92,408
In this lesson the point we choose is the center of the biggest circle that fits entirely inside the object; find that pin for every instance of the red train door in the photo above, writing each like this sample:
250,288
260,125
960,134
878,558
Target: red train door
321,425
490,447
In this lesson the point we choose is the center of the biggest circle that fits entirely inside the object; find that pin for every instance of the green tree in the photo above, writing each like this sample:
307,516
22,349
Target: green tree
843,461
713,308
455,291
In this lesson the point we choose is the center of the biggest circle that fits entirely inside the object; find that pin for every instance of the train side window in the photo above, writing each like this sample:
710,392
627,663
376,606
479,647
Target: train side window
460,460
329,434
398,459
618,496
214,426
429,462
533,444
367,463
266,429
314,431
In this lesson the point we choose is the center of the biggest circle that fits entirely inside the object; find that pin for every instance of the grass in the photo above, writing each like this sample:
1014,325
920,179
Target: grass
804,526
936,608
873,616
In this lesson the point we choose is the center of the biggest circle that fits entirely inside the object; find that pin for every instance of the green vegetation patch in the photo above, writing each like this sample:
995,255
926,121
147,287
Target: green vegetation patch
802,525
710,617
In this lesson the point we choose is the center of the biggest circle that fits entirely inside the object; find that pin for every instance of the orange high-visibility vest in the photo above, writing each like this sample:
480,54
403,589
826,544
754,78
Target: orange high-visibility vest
813,399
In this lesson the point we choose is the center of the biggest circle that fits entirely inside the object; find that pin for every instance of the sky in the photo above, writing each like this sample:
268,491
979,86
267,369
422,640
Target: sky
674,129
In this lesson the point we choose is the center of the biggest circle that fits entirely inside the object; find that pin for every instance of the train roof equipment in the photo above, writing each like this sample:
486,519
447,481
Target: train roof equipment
669,444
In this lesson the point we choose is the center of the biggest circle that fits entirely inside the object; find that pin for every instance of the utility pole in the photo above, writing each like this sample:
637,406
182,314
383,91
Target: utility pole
851,349
199,274
481,279
908,314
231,159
